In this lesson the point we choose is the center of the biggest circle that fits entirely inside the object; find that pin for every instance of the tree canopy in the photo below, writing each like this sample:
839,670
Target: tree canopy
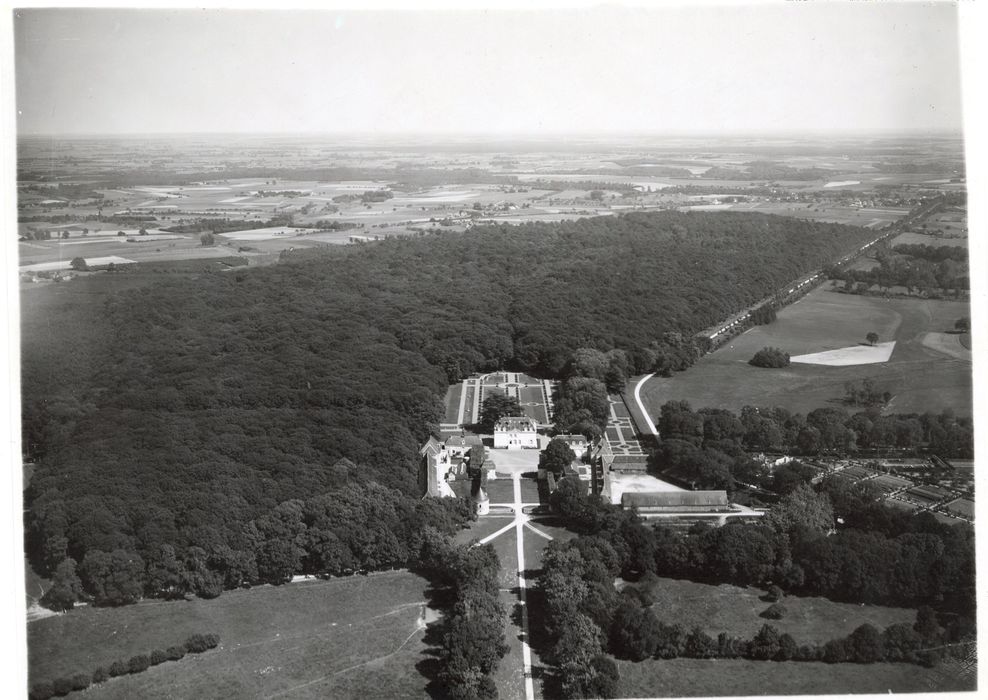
199,410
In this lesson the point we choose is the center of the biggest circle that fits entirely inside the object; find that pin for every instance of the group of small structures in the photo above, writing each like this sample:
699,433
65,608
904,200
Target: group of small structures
461,466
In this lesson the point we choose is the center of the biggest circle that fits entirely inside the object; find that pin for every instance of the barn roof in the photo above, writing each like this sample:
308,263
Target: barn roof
431,446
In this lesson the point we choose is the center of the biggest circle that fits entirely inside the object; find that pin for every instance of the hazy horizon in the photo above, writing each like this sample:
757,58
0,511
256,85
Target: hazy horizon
830,68
622,135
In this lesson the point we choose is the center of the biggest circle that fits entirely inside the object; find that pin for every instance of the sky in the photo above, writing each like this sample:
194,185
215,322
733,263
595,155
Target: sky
767,67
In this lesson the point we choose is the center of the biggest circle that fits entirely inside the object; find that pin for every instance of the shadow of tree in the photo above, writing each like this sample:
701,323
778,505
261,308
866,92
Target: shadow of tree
438,598
543,672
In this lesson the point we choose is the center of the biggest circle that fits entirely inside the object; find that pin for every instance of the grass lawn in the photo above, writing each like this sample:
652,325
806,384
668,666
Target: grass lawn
912,238
452,402
921,378
736,611
726,608
735,677
347,637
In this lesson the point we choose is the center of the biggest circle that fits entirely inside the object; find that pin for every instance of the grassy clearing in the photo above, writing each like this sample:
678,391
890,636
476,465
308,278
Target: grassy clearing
339,638
732,677
452,402
726,608
912,237
737,611
920,378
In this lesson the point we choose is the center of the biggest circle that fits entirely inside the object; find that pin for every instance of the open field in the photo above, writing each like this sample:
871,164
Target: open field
869,217
913,238
921,378
737,677
42,255
814,620
339,638
727,608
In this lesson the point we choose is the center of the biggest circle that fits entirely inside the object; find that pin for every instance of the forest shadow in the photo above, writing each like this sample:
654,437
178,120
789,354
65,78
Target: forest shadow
438,598
543,672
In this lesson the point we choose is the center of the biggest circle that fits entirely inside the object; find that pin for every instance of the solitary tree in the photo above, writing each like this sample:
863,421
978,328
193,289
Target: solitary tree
962,324
770,357
207,239
79,264
872,337
495,407
556,457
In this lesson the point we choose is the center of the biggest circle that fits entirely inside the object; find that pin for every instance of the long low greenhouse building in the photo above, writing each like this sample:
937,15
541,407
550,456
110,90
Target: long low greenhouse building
677,502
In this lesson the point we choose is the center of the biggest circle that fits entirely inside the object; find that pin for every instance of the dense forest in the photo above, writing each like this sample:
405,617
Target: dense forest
181,412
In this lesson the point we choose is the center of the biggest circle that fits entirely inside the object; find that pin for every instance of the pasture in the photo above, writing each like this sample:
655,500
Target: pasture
916,238
56,254
736,611
810,620
739,677
921,377
869,217
346,637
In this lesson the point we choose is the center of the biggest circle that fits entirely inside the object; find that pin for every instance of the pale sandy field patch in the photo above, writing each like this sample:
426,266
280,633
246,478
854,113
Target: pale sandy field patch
852,355
67,264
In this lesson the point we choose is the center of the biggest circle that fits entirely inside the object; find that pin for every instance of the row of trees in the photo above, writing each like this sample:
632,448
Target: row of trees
637,634
709,448
226,225
472,629
933,253
893,560
196,644
358,528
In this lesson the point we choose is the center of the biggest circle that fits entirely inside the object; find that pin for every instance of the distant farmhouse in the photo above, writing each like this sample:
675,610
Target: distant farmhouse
516,433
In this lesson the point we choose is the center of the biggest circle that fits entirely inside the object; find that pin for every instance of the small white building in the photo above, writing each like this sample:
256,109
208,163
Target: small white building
516,433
